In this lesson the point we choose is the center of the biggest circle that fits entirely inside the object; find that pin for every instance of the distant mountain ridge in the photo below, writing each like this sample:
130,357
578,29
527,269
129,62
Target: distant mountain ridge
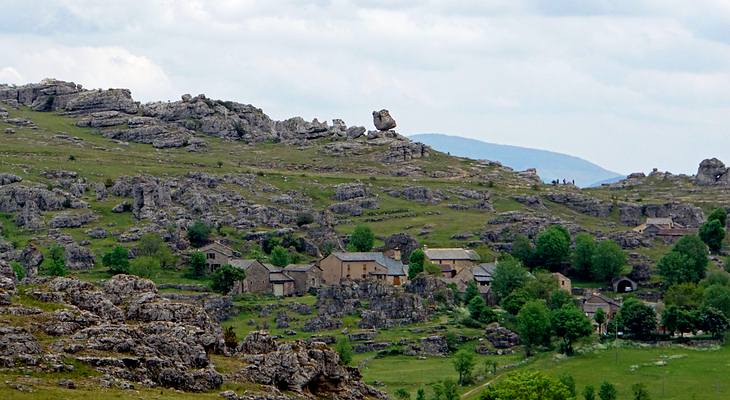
550,165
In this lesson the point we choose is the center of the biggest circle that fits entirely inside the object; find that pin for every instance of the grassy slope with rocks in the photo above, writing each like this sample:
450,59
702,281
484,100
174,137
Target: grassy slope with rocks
307,170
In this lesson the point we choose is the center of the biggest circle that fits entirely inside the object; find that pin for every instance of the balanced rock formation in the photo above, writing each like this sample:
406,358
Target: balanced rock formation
383,121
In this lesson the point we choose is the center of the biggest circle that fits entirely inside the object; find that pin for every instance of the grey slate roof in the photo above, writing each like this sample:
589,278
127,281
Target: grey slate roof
484,272
299,267
452,254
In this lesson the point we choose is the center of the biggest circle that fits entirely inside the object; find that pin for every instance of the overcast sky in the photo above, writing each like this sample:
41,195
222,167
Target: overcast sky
629,85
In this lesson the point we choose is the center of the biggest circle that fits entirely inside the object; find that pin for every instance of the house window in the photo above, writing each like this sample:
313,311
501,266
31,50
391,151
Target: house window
211,256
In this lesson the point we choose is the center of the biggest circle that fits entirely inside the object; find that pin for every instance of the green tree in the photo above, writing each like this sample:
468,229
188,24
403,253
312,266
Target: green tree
600,318
344,349
607,391
198,233
552,247
675,268
542,285
684,295
607,261
57,261
514,302
530,385
279,256
589,393
679,320
582,258
713,321
479,311
416,261
637,318
508,276
694,248
471,291
464,364
523,250
144,266
640,392
560,298
718,214
361,239
225,277
718,297
570,324
18,270
117,260
446,390
533,325
149,245
197,264
712,233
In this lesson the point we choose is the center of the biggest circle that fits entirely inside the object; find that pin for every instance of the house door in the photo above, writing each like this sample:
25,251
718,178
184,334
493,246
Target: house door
278,290
396,280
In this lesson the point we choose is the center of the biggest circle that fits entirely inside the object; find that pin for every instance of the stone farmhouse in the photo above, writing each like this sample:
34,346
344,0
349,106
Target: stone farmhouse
263,279
306,277
341,266
664,228
218,254
452,261
481,274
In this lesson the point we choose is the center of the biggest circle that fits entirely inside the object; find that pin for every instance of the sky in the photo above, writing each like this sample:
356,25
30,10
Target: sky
630,85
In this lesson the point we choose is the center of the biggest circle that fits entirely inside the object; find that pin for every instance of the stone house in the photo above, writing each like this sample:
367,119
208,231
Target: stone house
218,254
280,282
664,228
593,301
341,266
306,276
481,274
262,279
564,282
452,260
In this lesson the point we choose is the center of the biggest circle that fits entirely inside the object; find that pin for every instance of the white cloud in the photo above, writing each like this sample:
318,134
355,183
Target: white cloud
93,67
628,84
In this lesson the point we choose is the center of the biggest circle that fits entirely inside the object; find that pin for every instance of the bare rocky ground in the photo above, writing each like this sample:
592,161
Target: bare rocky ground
131,336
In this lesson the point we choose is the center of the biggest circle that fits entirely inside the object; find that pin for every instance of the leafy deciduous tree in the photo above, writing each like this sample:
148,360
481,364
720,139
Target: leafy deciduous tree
552,247
712,233
637,318
198,233
57,261
464,364
279,256
117,260
416,261
361,238
569,323
582,258
533,325
197,264
225,277
508,276
607,261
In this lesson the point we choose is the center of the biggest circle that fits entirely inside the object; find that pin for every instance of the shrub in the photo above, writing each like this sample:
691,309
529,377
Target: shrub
117,260
230,338
304,218
197,265
199,233
279,256
225,277
415,263
57,261
361,239
144,266
344,349
18,270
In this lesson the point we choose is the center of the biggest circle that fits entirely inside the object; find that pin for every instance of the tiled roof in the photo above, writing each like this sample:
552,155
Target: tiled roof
452,254
395,268
299,267
239,263
484,272
279,277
